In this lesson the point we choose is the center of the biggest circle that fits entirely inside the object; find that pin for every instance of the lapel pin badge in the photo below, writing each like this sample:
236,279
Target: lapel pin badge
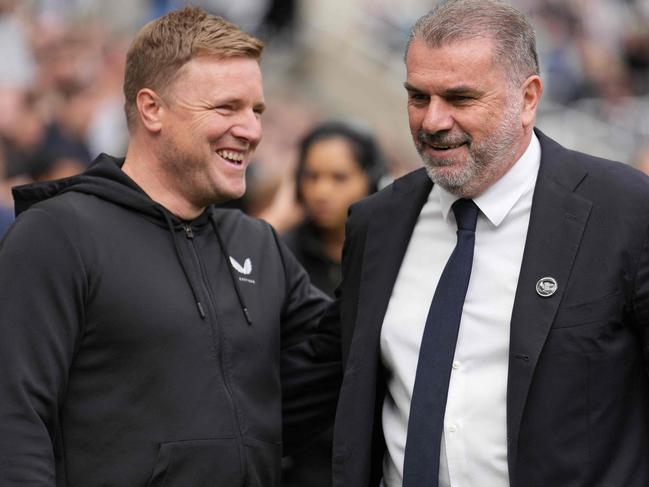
546,287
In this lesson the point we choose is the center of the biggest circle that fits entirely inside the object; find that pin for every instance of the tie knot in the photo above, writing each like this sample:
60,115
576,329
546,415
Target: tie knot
466,214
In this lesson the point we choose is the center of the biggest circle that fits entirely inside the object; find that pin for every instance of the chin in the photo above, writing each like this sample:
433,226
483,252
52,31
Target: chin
232,192
449,176
328,223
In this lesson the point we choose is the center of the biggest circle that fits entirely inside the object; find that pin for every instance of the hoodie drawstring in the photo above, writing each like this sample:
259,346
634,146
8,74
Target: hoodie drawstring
225,253
201,311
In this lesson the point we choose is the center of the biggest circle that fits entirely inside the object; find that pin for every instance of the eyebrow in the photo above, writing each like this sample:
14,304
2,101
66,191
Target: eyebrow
461,90
409,87
234,100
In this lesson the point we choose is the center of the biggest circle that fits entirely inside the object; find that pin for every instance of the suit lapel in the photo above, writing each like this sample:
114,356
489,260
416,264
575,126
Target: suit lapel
390,224
387,239
557,223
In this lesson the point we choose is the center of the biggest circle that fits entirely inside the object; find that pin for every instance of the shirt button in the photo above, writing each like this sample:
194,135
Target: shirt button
452,428
456,364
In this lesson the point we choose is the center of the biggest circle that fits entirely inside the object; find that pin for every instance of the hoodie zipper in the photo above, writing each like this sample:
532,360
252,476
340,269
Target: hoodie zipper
189,233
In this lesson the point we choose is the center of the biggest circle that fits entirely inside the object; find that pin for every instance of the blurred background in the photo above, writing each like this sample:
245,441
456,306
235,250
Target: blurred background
62,66
61,104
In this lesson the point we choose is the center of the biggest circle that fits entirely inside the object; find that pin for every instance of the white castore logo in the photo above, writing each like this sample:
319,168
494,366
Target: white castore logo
244,269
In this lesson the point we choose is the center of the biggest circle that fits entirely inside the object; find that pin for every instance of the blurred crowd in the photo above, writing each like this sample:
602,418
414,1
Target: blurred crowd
61,103
60,94
61,99
588,48
594,48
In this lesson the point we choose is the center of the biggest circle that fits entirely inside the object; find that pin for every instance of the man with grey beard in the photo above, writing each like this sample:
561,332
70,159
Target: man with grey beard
495,303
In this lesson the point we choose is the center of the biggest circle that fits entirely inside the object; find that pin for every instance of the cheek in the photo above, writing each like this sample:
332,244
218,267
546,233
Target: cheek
484,119
415,118
307,191
209,125
354,190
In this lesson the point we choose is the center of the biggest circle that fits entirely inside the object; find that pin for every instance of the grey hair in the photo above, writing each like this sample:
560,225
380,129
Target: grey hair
457,20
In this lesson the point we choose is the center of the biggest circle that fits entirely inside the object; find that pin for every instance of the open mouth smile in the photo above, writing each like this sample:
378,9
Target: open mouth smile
231,156
445,147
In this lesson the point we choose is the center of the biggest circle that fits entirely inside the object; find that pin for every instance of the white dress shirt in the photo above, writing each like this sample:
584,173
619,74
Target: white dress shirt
474,442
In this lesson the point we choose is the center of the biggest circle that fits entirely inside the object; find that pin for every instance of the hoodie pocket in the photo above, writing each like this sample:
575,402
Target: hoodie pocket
198,463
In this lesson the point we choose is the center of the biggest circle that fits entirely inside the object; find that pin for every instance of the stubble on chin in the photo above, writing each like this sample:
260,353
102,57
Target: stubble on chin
451,173
484,163
454,175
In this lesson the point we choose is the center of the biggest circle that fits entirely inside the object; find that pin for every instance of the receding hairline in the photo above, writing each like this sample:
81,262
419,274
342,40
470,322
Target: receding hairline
434,44
507,28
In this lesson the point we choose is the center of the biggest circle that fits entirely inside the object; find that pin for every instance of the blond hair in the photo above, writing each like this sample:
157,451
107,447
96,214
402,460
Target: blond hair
164,45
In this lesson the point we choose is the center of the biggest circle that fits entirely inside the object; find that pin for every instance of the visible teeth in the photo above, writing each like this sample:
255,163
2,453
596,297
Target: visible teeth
446,147
230,155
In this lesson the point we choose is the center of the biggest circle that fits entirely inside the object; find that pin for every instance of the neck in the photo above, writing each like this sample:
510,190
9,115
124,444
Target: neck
333,240
524,143
143,167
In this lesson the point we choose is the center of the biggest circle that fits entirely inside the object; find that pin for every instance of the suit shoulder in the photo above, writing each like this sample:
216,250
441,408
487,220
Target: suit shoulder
405,182
613,176
594,176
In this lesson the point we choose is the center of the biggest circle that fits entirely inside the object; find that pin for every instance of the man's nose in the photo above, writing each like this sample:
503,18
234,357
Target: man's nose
248,127
438,117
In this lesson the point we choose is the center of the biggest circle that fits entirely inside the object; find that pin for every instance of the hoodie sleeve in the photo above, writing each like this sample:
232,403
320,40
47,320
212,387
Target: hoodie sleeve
42,293
310,360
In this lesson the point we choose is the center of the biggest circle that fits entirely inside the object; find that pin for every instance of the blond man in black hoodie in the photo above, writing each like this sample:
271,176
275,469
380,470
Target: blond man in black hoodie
147,335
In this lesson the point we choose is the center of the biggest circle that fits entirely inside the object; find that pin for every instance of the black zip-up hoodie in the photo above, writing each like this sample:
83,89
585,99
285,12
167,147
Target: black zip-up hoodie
138,349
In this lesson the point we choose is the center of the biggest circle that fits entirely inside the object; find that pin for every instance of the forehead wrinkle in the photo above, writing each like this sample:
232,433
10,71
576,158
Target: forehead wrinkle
448,68
464,53
463,89
201,88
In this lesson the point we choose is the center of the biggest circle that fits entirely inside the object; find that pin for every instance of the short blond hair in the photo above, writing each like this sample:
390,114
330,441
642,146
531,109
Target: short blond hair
164,45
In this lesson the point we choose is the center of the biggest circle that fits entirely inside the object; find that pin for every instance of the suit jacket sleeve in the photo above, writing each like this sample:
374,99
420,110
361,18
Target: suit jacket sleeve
640,301
310,358
310,398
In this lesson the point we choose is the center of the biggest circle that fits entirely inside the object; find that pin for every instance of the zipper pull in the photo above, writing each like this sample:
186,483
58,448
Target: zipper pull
188,231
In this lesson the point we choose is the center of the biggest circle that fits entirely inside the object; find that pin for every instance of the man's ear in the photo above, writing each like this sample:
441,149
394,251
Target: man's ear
150,108
532,90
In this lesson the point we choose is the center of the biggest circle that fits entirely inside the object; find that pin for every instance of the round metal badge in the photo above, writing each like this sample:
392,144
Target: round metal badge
546,287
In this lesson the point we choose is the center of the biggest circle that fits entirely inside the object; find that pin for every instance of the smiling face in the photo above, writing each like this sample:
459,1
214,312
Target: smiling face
209,127
468,124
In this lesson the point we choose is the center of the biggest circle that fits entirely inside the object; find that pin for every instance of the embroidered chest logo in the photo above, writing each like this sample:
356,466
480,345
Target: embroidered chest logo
243,270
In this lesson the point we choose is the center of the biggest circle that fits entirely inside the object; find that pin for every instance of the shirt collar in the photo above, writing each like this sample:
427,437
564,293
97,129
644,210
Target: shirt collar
497,201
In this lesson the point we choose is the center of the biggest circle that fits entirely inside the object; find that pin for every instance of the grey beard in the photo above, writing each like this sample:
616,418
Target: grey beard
484,158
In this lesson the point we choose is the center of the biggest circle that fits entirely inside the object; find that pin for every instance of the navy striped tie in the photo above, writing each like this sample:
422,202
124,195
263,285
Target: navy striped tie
426,422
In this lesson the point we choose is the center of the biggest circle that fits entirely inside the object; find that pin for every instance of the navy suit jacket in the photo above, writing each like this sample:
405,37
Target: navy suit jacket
578,393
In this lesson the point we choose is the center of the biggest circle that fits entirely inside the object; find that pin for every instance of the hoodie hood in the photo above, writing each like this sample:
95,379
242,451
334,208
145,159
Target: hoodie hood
104,178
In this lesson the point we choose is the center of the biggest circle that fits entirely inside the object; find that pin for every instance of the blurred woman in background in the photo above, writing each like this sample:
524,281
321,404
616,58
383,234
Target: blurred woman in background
338,164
